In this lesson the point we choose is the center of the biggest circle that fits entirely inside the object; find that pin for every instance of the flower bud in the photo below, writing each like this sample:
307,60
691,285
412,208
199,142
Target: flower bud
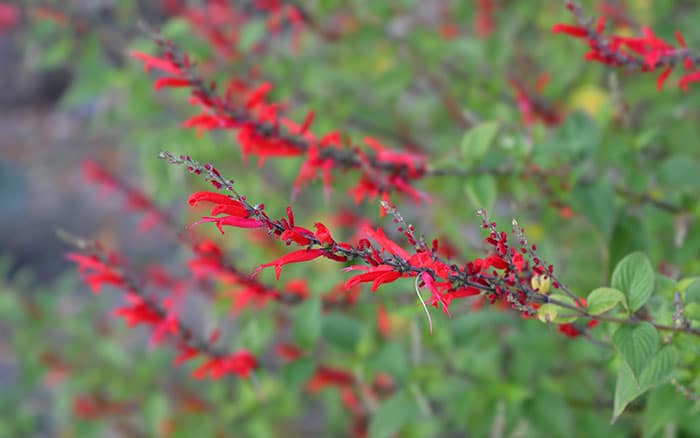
541,283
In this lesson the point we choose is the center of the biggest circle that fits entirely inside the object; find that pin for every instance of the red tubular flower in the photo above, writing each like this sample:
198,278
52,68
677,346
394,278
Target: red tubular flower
96,272
288,352
138,312
187,352
230,221
241,363
689,78
9,16
322,234
383,322
502,277
222,204
150,62
300,236
483,19
90,407
302,255
142,308
327,376
171,83
378,275
262,130
384,242
435,295
569,330
574,31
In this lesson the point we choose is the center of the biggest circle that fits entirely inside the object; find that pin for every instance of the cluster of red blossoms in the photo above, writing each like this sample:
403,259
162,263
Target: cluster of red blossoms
645,53
99,268
219,23
503,276
207,266
263,131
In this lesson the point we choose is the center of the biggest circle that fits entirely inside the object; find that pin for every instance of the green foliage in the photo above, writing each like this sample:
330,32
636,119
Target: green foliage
637,344
628,387
603,194
308,323
604,299
392,415
482,191
476,142
634,276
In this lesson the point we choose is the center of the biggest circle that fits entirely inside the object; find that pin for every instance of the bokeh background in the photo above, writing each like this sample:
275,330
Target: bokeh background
415,74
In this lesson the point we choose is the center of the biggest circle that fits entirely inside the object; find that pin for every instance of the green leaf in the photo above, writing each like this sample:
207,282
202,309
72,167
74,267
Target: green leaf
551,415
680,173
603,299
660,367
597,204
306,327
392,415
251,33
155,411
341,331
482,191
645,138
634,276
176,28
626,390
637,344
298,372
628,235
579,135
692,311
392,359
692,292
477,141
664,405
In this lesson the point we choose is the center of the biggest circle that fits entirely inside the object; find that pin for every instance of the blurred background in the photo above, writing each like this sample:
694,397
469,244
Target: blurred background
414,74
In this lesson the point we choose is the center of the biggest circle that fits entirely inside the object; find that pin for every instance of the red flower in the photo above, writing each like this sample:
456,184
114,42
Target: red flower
95,272
383,323
435,295
157,63
171,83
378,275
139,312
300,236
302,255
288,352
241,363
569,330
327,376
186,353
9,16
574,31
385,243
230,221
323,235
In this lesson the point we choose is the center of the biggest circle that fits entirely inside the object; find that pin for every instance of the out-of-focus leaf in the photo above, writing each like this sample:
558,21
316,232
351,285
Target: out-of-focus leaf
392,415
